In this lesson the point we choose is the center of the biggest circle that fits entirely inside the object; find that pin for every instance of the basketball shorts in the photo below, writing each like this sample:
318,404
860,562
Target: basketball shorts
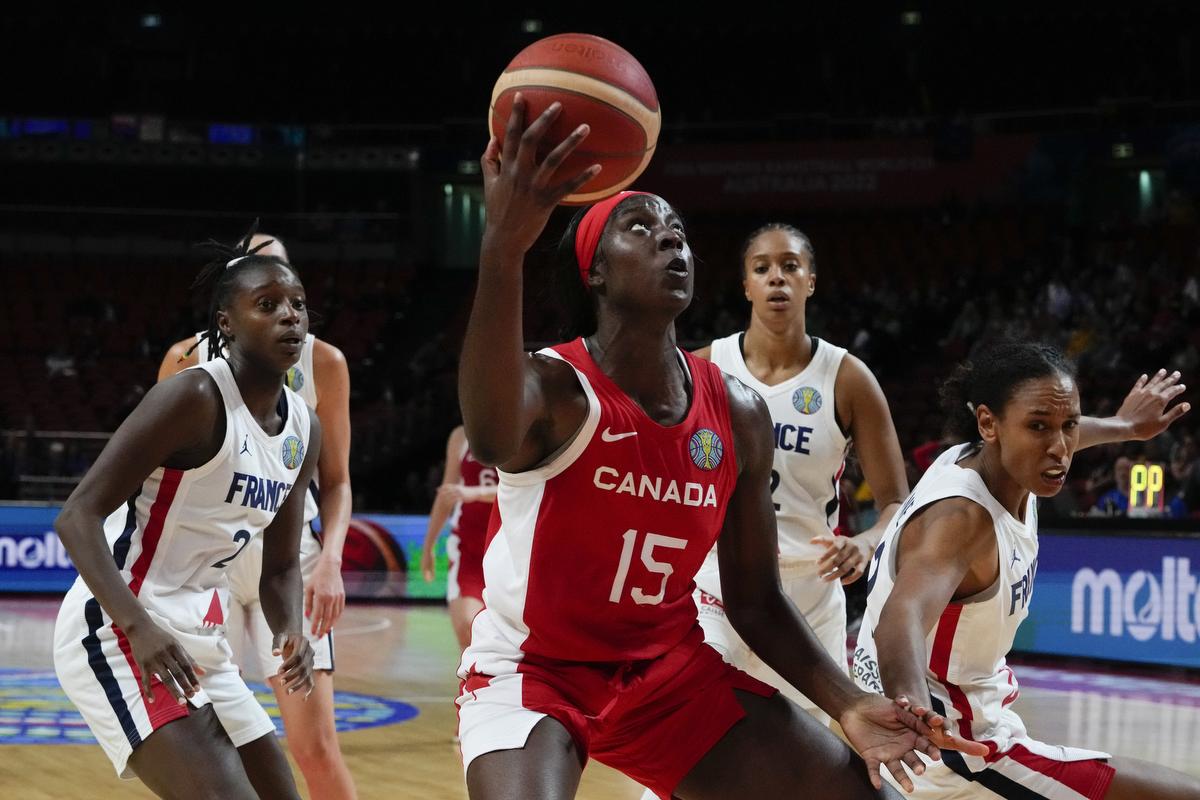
97,671
652,720
1018,767
248,632
465,578
823,604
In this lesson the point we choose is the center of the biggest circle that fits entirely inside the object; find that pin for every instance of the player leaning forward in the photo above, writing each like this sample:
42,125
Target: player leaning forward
589,645
953,578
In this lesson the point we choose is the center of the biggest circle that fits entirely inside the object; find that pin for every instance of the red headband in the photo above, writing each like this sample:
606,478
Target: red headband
587,235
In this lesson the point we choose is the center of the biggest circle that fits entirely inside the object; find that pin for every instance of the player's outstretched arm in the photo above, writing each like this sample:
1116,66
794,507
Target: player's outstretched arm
886,734
1143,415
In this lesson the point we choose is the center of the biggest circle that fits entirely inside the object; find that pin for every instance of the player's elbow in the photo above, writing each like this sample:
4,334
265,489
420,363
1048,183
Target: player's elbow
491,447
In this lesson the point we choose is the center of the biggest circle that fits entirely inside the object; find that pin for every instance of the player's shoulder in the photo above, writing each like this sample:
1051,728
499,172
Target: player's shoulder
189,391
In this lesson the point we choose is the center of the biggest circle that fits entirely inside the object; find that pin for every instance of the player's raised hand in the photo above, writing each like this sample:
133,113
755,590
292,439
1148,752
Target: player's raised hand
519,186
1145,408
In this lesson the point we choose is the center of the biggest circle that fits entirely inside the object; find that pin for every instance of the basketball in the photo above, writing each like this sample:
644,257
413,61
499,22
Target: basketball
598,83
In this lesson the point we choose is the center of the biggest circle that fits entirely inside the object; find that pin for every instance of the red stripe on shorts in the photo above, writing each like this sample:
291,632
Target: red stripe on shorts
165,707
1089,777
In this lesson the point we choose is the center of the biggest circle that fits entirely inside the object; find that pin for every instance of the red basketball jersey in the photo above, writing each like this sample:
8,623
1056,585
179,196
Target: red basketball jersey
595,552
470,522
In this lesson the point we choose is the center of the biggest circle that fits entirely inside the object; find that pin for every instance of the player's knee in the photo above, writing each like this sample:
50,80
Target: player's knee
316,750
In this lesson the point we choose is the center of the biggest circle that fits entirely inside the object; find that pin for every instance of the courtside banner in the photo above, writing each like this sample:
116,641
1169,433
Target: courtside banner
31,557
1116,596
381,557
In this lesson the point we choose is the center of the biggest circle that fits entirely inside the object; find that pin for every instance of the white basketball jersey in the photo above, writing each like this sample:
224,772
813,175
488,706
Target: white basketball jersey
184,527
300,379
810,448
969,680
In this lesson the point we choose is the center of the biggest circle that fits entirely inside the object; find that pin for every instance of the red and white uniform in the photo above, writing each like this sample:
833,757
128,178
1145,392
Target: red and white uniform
589,580
969,679
468,532
182,532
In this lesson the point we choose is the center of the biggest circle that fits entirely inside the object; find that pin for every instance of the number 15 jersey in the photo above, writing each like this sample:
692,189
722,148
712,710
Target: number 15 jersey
594,553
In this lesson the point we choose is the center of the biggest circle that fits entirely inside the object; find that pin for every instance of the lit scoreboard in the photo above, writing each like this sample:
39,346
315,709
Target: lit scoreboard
1146,490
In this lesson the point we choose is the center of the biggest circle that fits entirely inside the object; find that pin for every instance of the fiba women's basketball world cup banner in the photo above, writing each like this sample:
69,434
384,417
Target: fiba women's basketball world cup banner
1118,596
381,557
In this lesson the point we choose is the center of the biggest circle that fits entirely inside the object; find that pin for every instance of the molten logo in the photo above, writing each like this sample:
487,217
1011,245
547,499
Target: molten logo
1166,605
34,552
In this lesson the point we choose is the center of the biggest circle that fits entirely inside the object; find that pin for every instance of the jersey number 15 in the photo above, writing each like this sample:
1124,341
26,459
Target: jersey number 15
651,541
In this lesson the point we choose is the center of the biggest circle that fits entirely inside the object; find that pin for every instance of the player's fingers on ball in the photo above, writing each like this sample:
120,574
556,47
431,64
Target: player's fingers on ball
512,130
559,154
533,135
571,186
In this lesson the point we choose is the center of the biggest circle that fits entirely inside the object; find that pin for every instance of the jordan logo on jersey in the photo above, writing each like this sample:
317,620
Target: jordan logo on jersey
255,492
246,446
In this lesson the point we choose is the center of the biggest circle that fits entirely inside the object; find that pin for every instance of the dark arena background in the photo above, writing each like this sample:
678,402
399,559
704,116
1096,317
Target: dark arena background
965,173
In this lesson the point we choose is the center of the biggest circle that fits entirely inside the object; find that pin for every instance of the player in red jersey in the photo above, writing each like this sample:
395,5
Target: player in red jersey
465,498
622,458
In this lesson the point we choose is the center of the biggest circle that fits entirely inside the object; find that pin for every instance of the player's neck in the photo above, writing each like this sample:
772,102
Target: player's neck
1007,491
259,389
777,345
642,359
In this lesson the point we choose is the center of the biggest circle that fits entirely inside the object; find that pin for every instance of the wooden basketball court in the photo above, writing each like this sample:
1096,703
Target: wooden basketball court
408,653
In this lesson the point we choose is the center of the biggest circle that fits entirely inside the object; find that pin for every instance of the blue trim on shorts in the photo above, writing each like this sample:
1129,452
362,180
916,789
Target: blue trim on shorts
1004,786
121,546
104,673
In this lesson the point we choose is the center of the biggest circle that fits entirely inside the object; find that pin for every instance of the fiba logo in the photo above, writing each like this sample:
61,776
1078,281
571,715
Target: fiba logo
1166,606
293,452
706,449
807,400
294,379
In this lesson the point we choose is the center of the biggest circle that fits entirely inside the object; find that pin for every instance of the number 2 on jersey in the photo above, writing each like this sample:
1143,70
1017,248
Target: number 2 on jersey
240,536
651,541
774,486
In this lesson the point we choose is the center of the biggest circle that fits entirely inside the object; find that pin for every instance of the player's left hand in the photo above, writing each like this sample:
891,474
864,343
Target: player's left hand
845,558
324,597
296,672
889,735
1145,409
455,492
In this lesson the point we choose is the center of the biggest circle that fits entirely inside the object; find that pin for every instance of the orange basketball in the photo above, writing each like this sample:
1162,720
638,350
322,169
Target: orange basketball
598,83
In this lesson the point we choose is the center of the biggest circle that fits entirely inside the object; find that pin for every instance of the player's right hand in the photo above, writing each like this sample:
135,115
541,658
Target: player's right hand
160,656
520,189
935,729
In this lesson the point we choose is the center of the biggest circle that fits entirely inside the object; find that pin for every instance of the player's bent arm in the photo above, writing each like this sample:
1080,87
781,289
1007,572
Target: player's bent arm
150,437
333,409
939,547
178,359
279,587
874,435
748,553
501,388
